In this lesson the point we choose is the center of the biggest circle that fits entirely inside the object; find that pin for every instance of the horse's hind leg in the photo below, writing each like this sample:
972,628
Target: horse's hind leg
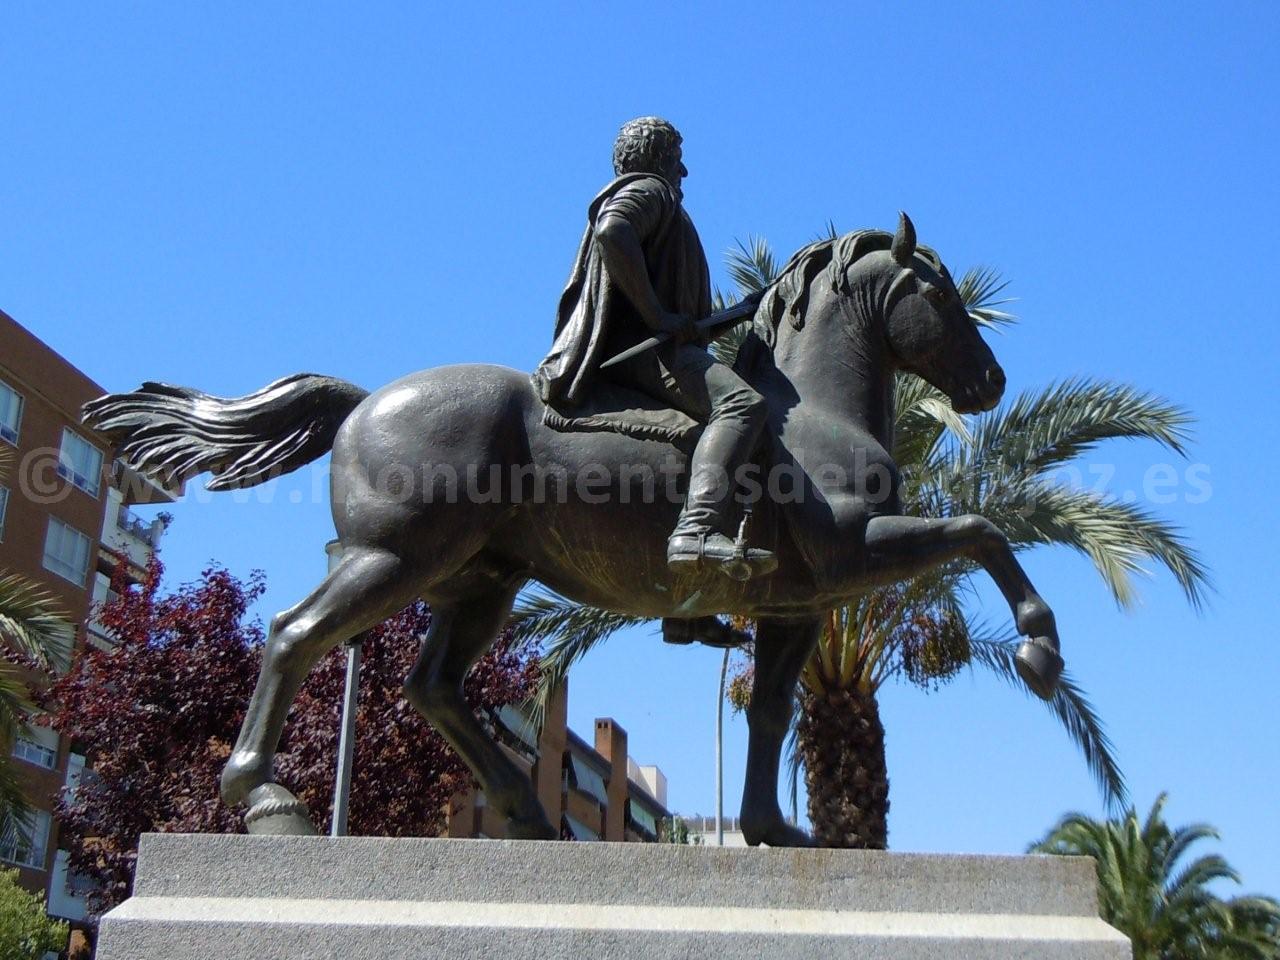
901,547
368,586
782,648
462,629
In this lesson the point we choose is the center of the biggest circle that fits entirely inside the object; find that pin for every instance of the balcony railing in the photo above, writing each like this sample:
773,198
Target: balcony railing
133,525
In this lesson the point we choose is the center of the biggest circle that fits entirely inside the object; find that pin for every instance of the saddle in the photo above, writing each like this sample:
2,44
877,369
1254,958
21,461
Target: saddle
613,408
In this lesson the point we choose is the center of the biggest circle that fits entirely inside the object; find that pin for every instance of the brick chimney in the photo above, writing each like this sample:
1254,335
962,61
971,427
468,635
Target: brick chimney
611,743
548,770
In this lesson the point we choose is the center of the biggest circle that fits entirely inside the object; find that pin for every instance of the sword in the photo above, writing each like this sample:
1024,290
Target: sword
740,311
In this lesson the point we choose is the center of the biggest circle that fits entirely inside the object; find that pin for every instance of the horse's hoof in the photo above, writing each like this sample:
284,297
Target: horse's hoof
274,811
1039,666
243,774
777,834
538,828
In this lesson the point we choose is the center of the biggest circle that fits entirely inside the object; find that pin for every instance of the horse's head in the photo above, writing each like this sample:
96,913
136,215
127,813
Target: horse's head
929,331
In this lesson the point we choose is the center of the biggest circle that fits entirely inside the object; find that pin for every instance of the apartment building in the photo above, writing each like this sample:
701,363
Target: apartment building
65,522
594,791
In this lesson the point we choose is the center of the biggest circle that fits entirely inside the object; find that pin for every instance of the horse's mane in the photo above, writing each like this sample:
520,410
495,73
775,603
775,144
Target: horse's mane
788,296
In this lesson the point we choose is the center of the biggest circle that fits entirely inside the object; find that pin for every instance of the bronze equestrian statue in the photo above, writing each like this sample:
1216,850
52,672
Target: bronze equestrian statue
462,484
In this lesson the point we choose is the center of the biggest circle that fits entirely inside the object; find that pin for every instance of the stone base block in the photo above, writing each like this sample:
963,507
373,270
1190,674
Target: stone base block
358,898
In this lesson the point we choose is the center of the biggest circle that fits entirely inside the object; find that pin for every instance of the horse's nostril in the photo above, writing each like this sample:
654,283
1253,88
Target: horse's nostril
995,377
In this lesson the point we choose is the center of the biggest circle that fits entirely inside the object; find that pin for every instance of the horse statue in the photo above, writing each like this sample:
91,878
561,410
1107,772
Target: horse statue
825,342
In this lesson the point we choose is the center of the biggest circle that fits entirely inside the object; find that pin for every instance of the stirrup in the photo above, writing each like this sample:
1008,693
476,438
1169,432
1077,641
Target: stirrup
687,552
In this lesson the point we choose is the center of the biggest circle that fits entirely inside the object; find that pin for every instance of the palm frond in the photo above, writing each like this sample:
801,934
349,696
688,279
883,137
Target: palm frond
726,346
567,629
980,290
1074,833
15,812
15,708
1178,843
795,759
922,417
1200,872
751,265
721,300
1041,430
32,621
15,703
1117,536
1069,705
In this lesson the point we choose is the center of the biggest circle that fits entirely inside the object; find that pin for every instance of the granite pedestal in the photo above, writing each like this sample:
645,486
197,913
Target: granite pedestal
318,898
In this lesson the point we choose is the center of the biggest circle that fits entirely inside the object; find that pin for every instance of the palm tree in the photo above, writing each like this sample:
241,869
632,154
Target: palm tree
32,634
1164,906
1000,465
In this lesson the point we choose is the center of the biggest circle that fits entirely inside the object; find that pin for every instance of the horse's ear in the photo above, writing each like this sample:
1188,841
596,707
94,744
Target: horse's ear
904,241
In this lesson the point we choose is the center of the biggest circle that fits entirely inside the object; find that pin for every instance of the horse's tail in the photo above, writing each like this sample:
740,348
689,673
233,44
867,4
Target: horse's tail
176,432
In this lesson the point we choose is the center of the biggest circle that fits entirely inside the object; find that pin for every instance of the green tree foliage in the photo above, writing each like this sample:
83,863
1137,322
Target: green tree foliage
1149,891
157,715
26,931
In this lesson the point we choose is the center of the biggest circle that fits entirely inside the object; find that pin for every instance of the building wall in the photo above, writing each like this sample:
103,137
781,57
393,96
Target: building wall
584,789
53,391
702,830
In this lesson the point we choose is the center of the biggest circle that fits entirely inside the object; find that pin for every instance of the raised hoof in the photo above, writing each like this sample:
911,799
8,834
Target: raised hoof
274,811
533,829
777,834
1039,666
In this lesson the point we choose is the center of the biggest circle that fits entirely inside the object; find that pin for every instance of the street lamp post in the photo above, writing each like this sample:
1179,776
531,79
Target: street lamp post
724,670
347,736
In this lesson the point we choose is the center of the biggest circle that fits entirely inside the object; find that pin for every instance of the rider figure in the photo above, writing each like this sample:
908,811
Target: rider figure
640,270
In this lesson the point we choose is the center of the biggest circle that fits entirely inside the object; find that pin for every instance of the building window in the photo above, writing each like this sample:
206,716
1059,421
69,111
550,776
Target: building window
4,508
10,413
37,744
80,462
66,552
33,752
26,844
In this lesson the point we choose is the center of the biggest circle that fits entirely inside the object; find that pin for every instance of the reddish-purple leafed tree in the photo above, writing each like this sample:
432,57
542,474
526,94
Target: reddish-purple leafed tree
157,716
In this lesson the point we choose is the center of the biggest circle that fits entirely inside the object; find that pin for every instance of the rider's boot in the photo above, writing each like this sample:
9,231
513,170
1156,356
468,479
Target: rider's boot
709,631
699,541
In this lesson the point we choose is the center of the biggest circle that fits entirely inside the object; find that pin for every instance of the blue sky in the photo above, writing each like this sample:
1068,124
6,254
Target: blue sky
221,196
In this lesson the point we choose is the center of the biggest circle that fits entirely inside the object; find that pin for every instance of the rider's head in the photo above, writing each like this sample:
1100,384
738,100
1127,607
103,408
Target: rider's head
649,145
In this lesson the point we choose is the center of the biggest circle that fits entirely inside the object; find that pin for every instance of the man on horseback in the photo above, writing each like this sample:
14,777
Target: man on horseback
641,270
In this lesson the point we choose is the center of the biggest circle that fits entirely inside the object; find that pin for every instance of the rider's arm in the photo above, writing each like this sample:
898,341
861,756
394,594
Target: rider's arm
620,229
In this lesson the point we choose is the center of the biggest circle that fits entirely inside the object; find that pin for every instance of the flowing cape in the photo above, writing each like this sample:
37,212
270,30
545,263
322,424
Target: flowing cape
593,313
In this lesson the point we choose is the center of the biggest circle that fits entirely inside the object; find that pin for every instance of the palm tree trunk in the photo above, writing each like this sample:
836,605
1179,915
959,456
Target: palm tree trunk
842,742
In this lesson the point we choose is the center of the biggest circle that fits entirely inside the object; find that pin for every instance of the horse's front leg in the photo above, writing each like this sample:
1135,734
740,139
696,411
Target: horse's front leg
782,648
902,547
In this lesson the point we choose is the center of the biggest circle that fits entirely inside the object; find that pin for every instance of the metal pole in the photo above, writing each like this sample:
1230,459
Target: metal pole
347,735
724,670
347,740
